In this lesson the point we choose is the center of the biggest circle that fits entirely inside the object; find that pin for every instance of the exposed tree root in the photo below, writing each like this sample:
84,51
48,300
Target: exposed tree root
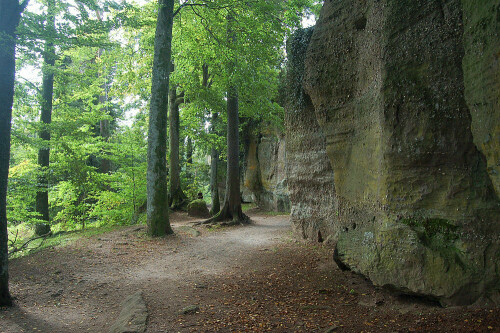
178,200
227,218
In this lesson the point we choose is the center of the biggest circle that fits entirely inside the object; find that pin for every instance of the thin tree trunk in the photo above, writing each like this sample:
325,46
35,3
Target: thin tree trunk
49,58
177,197
104,132
189,157
157,187
10,13
214,161
105,165
214,186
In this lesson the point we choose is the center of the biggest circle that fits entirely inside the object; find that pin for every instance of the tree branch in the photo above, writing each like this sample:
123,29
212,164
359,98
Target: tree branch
25,244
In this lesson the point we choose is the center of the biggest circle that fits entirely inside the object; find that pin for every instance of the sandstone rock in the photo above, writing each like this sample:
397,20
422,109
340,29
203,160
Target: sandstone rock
133,316
265,172
309,174
481,66
189,230
192,309
198,208
412,203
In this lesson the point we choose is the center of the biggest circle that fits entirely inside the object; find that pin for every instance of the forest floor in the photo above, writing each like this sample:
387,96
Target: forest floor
254,278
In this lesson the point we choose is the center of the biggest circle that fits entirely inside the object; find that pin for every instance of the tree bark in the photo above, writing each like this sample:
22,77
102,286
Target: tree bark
214,160
177,197
214,186
157,187
189,157
232,199
104,132
10,14
49,59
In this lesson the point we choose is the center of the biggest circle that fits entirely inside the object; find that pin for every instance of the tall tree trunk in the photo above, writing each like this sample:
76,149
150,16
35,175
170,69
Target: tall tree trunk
177,197
232,200
104,132
49,59
189,157
214,161
214,186
105,165
157,187
10,13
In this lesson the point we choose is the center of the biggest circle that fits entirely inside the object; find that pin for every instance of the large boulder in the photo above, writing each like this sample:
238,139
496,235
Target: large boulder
198,208
412,204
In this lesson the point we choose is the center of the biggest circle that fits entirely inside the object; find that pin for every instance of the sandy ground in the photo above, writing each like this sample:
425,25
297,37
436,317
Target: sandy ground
253,278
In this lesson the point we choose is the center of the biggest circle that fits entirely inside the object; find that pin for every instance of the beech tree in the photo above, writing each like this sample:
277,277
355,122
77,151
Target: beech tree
157,189
10,14
177,197
232,200
49,58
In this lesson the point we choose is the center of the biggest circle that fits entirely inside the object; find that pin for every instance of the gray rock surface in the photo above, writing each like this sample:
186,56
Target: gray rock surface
309,173
265,171
133,316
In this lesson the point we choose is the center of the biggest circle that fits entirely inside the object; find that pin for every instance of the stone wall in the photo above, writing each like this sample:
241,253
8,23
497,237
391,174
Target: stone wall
407,196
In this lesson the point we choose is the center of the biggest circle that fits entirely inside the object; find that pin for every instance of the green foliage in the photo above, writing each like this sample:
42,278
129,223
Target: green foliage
21,193
104,55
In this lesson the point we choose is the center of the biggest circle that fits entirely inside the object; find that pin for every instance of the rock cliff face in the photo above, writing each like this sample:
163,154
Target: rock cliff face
264,180
310,176
411,198
481,66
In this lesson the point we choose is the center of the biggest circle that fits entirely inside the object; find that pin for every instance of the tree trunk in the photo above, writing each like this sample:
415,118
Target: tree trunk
214,186
214,160
104,132
10,13
157,187
177,197
49,58
232,200
189,157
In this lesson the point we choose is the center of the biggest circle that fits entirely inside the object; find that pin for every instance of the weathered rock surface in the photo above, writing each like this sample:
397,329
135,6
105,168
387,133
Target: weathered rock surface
265,171
310,176
481,65
133,316
412,202
198,208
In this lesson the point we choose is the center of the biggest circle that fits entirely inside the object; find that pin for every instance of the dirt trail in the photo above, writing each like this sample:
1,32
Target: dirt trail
79,288
243,279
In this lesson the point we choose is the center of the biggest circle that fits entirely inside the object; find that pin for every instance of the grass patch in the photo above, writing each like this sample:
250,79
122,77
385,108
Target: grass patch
247,206
60,238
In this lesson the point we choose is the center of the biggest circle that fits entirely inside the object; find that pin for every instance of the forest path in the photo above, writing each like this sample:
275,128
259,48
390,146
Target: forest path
253,278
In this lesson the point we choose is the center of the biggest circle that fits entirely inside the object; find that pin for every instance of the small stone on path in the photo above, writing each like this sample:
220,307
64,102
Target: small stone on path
190,309
189,230
331,329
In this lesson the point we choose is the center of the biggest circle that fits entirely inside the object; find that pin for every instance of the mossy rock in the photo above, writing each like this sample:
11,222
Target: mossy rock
198,208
